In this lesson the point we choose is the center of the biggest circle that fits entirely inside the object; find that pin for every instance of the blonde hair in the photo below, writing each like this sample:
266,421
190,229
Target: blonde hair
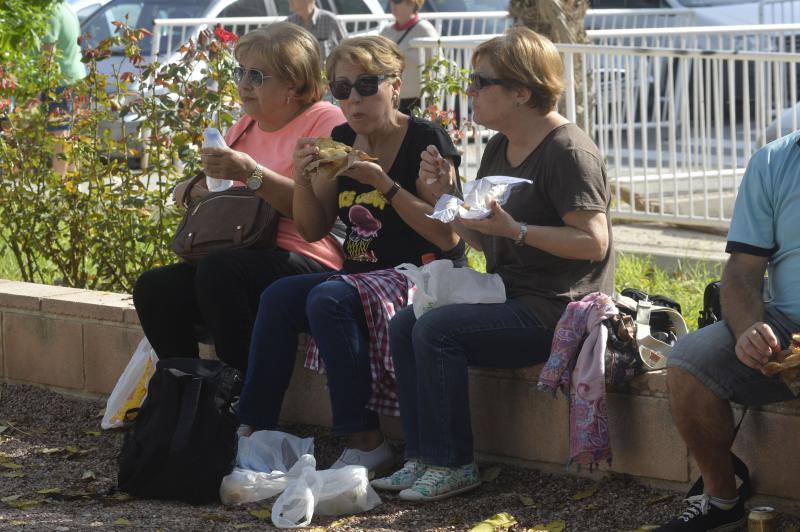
524,58
374,53
288,52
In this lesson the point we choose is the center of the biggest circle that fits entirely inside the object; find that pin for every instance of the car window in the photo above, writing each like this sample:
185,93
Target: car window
245,8
138,15
283,7
350,7
629,4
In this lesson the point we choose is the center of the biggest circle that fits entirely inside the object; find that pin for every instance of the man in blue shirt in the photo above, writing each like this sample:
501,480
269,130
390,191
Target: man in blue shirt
723,362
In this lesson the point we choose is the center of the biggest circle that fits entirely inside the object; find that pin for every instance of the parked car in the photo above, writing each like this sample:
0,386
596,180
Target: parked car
84,8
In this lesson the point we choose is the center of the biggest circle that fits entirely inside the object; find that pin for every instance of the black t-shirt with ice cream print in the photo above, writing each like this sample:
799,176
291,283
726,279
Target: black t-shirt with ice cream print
377,238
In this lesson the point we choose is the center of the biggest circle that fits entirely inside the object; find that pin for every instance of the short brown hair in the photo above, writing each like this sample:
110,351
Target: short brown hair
524,58
374,53
290,53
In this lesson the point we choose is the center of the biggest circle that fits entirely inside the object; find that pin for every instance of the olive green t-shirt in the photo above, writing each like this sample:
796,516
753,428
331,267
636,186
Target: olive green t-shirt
566,173
64,30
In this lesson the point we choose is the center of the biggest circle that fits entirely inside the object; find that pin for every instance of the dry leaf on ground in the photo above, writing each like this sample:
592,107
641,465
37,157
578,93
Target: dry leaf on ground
585,494
490,474
122,522
526,500
553,526
501,521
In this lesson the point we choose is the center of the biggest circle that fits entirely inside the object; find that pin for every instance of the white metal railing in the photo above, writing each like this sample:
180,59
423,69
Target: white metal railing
607,19
750,38
778,11
171,34
677,127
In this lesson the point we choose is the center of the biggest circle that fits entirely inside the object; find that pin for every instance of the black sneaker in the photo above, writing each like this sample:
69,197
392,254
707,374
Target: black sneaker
701,516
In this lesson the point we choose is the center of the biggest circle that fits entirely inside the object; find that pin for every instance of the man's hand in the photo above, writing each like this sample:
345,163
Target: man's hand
756,345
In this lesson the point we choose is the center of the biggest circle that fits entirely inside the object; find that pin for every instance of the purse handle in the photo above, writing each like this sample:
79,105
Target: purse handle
182,196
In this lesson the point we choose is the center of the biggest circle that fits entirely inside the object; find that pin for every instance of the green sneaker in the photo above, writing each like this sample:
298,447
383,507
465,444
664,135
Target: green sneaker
401,479
442,482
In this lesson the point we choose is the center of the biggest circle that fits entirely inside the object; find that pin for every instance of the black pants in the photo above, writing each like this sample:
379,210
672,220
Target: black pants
221,294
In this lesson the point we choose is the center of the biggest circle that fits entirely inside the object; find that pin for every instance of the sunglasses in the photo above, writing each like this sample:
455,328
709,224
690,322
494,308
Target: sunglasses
364,85
255,77
397,1
478,82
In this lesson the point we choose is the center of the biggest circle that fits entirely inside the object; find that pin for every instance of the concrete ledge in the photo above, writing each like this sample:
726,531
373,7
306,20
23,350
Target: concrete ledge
79,341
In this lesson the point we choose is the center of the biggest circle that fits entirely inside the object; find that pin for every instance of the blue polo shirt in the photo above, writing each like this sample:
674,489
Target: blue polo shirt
766,219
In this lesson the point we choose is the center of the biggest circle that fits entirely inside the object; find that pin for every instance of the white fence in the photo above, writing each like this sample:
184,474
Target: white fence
779,11
758,38
677,127
170,34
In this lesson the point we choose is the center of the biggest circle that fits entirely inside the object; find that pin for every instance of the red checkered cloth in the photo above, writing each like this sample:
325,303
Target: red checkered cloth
382,293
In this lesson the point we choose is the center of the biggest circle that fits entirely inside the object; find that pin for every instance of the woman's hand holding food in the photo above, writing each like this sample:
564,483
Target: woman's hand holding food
369,173
225,163
305,152
436,175
499,223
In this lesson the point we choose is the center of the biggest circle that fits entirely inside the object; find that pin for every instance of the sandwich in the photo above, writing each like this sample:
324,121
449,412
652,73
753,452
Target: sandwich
334,158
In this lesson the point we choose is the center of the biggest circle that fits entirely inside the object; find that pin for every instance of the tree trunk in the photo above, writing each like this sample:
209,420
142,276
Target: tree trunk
562,22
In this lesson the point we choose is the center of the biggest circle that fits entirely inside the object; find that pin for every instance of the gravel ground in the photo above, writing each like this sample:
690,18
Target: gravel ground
57,472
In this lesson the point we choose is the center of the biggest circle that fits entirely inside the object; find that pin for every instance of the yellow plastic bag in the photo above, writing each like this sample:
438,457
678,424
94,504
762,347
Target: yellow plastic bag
131,388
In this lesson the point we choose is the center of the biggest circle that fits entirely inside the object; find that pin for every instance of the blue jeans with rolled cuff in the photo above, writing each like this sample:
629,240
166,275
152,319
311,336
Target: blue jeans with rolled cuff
332,312
431,356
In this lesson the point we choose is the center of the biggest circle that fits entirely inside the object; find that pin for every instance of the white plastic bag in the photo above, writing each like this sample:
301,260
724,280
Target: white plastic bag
478,196
244,485
439,284
266,461
330,492
271,450
131,387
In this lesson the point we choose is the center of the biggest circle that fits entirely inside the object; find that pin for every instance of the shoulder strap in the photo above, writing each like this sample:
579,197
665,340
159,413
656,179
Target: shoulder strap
403,36
187,414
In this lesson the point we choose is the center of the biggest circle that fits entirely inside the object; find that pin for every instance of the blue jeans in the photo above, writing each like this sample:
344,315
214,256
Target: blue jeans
431,356
331,311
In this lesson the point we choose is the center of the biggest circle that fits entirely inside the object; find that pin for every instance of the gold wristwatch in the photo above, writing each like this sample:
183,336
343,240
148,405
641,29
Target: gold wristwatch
256,179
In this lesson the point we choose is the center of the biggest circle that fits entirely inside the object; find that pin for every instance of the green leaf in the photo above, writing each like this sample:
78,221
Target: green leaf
12,474
48,491
93,433
501,521
122,522
10,465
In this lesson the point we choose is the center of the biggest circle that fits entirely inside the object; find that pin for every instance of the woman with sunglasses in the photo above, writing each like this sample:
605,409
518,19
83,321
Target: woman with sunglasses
407,27
385,216
279,80
550,243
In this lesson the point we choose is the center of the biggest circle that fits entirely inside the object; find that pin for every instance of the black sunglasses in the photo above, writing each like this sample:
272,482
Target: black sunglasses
364,85
397,1
255,77
478,82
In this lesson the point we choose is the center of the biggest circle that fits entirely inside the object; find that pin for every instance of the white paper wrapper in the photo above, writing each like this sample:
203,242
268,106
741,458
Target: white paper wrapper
478,195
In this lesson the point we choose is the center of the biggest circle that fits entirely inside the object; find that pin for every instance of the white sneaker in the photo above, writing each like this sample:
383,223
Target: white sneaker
401,479
378,459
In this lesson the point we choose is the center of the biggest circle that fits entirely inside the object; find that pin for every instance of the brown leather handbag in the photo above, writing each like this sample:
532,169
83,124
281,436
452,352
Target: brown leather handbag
232,219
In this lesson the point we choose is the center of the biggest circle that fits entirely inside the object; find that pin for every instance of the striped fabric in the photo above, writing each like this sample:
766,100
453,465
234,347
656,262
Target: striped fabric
382,293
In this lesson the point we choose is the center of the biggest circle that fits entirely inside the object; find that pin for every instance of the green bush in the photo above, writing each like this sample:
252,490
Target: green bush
104,223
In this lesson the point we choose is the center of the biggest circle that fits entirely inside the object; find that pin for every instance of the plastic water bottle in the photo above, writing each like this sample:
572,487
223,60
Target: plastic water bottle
212,138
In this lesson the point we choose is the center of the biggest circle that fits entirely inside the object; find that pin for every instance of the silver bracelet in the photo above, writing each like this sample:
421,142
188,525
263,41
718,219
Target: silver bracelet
523,230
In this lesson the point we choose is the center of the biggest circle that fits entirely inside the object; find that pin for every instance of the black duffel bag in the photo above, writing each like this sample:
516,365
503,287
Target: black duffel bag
183,441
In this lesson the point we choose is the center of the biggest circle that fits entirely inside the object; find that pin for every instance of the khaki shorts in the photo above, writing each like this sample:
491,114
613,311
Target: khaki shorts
708,354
